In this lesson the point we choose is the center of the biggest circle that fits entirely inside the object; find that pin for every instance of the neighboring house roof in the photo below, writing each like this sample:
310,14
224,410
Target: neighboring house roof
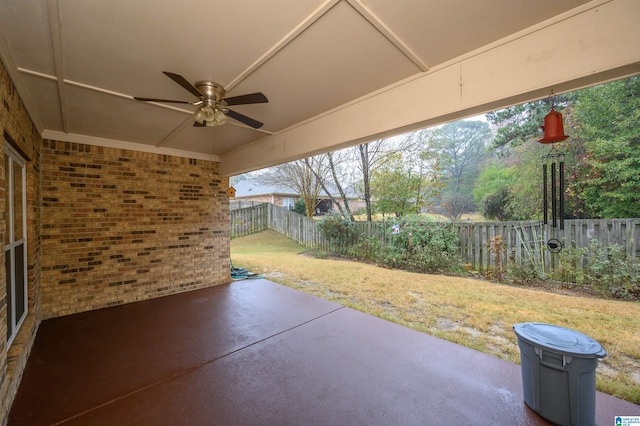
257,187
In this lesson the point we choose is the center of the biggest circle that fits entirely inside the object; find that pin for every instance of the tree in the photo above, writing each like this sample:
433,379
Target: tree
512,191
496,205
493,177
609,171
525,188
519,175
302,177
337,181
372,156
396,188
460,146
602,166
404,185
333,175
454,205
517,141
521,123
365,168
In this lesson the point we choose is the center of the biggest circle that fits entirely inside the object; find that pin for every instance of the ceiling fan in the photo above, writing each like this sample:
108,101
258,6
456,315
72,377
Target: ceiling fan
212,104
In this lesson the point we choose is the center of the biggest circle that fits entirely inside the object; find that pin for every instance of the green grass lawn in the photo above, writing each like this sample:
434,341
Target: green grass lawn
474,313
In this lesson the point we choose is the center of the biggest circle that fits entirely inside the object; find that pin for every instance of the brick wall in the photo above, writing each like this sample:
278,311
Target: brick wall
121,226
105,226
16,125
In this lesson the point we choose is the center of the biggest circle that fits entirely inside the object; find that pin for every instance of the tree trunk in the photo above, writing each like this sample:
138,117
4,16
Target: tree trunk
364,158
345,202
324,188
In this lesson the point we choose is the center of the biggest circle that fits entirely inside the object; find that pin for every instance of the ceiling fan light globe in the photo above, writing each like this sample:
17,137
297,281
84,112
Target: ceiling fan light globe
220,118
208,114
199,115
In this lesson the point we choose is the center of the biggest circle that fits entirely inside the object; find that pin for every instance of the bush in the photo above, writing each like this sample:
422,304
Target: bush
607,270
299,207
421,246
360,211
367,249
455,205
526,271
496,206
340,232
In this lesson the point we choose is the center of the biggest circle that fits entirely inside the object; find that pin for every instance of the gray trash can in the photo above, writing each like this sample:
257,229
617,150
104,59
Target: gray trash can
559,372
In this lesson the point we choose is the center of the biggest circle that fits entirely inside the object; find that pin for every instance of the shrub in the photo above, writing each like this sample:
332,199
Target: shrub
422,246
455,205
496,206
367,249
607,270
340,232
299,207
526,270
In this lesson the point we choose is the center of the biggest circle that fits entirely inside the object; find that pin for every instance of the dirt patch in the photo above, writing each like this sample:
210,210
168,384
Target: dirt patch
275,274
630,367
633,366
473,332
446,324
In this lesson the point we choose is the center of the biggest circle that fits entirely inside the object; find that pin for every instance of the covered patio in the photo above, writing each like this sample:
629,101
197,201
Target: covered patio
257,353
115,197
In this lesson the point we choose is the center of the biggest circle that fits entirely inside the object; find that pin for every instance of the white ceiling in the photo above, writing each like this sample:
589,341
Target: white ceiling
78,63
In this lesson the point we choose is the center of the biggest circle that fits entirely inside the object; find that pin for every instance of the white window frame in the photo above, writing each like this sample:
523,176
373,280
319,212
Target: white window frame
289,202
16,159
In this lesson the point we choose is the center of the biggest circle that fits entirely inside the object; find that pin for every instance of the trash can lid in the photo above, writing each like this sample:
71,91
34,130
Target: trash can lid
559,339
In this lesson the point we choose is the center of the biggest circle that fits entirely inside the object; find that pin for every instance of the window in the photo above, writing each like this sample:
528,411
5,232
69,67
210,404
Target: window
288,203
15,241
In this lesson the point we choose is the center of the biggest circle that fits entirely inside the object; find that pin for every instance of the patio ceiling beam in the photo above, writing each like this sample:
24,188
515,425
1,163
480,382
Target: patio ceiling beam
56,38
367,14
585,47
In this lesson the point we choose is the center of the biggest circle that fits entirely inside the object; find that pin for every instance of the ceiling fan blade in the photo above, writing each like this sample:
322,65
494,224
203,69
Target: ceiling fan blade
159,100
196,124
251,98
243,119
184,83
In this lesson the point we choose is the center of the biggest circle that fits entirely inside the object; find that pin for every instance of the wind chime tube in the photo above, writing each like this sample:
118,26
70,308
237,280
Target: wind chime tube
561,193
553,195
545,201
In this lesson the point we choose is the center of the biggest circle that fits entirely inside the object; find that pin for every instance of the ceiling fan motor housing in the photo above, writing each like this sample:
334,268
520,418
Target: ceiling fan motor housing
211,90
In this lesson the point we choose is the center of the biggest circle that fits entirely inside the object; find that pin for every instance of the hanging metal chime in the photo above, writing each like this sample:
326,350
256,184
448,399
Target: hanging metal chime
553,189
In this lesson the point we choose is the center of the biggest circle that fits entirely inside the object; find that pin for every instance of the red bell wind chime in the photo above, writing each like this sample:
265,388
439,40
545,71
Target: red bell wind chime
553,170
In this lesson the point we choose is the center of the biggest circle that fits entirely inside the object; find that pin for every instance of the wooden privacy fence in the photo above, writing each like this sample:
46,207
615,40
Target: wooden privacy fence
525,242
299,228
531,242
241,204
249,220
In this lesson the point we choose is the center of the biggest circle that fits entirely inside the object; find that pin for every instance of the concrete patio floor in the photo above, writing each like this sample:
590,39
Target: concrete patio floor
257,353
